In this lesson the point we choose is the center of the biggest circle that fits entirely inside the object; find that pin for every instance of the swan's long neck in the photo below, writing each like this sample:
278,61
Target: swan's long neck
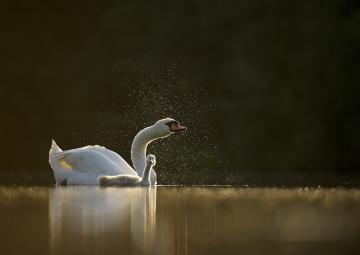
139,146
145,180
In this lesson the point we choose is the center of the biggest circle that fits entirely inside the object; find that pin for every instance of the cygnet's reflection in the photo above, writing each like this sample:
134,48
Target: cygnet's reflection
92,218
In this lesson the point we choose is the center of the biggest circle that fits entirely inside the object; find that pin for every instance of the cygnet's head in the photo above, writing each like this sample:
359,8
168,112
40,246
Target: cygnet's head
151,159
168,126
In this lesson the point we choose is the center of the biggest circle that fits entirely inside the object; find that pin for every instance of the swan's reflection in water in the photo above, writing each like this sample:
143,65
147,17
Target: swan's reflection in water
203,220
97,220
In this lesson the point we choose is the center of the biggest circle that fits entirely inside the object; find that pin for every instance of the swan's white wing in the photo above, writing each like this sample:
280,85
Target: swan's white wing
86,161
92,161
85,165
124,167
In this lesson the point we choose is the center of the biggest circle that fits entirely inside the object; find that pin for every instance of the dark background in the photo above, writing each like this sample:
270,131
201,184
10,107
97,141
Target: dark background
268,89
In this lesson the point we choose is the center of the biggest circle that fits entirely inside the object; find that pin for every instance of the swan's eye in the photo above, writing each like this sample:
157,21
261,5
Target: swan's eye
169,124
173,122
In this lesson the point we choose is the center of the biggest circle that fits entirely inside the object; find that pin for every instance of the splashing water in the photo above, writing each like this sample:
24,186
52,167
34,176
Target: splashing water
183,158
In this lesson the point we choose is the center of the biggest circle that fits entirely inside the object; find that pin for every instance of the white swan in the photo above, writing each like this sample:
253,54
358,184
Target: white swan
84,166
130,180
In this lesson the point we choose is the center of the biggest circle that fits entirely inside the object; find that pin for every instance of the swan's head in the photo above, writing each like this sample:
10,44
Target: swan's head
168,126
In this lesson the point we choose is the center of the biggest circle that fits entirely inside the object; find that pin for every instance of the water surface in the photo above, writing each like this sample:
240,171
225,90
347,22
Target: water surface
179,220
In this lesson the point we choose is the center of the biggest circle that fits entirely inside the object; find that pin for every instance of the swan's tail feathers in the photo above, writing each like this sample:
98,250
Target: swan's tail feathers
57,163
54,147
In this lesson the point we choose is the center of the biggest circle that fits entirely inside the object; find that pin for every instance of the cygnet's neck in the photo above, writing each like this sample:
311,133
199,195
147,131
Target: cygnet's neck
145,180
139,146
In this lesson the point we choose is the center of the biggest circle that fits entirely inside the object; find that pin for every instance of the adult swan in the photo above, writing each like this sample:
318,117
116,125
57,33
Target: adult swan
84,166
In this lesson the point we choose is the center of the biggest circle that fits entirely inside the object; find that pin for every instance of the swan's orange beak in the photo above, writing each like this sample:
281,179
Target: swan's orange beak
175,127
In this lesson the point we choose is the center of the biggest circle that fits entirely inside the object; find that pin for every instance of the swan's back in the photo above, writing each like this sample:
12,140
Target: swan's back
116,158
84,165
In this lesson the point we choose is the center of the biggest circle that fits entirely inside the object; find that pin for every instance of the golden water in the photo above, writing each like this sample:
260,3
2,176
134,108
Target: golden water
178,220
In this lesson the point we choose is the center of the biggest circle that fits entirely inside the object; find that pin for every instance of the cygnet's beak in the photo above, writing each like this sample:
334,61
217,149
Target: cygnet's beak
176,128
